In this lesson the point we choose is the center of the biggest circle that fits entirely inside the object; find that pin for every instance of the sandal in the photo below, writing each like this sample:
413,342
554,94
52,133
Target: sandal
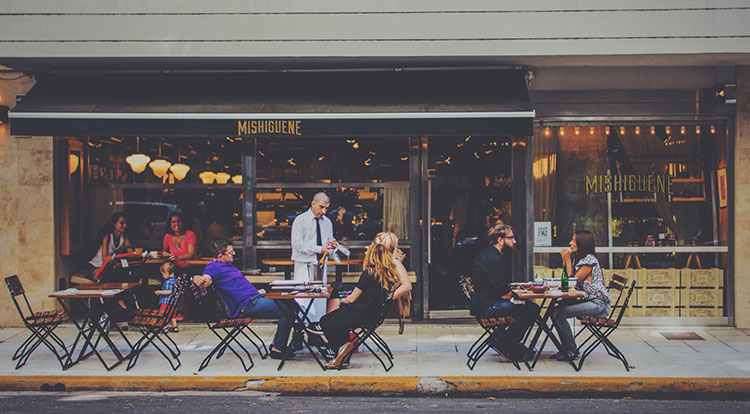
173,329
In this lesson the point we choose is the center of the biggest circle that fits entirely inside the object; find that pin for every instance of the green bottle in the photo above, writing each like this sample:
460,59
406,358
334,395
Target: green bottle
564,279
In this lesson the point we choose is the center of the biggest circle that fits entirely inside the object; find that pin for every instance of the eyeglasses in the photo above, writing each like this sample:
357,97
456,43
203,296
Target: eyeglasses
509,237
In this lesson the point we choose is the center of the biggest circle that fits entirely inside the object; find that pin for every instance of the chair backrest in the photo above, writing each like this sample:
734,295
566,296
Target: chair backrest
15,287
208,303
174,299
467,286
620,284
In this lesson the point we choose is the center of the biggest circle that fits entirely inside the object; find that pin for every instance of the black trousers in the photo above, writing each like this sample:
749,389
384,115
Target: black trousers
337,324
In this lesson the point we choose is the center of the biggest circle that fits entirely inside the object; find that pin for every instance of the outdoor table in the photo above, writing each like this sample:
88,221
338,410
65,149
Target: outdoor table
543,321
93,322
298,316
200,261
289,264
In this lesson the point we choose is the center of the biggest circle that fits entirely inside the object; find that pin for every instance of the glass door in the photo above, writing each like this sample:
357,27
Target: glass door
469,189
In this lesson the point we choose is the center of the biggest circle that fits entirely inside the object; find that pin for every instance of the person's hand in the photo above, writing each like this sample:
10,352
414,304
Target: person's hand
262,291
565,254
172,257
331,244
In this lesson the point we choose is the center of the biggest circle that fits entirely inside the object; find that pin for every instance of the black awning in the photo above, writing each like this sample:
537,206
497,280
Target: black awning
352,103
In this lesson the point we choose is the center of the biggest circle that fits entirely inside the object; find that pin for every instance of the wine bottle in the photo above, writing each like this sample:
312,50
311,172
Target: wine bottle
564,279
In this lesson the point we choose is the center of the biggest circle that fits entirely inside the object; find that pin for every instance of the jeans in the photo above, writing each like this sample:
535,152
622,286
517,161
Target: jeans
524,314
260,307
595,308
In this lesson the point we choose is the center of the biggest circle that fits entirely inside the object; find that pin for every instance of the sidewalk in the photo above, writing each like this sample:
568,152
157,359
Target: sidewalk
429,359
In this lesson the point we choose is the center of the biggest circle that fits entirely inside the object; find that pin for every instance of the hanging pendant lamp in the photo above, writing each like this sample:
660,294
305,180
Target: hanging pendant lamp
137,160
159,166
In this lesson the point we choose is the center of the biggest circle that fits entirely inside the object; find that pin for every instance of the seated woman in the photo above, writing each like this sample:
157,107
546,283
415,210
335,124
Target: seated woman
596,301
377,281
390,240
111,239
179,244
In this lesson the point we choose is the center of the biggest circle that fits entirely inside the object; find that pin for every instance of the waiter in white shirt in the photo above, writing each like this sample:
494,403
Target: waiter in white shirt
312,237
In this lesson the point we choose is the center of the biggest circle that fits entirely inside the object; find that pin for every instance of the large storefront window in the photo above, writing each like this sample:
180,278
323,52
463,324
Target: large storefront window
200,178
655,198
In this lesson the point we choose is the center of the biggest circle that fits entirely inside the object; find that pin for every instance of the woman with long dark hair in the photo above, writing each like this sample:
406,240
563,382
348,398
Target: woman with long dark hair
112,239
179,244
595,302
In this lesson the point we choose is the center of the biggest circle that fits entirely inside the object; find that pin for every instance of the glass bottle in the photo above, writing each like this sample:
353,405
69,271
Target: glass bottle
564,278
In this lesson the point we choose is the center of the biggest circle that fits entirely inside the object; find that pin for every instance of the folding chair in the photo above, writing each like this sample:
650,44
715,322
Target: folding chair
226,329
41,325
494,328
364,332
152,324
601,328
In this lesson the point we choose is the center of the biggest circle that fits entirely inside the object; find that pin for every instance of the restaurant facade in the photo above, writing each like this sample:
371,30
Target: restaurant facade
644,157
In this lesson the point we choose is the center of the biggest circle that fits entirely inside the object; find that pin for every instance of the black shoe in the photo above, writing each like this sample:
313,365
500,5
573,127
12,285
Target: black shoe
567,356
503,350
297,346
314,328
276,354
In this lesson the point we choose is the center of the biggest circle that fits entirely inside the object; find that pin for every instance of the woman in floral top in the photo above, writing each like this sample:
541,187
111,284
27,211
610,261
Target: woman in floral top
596,301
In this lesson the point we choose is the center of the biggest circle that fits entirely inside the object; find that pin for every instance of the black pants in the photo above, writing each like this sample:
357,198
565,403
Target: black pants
337,324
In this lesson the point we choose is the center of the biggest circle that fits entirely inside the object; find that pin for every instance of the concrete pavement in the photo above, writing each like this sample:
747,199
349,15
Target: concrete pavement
430,358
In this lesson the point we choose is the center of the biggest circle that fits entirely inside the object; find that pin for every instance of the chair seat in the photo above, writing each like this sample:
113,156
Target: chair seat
149,312
52,319
147,321
590,320
46,314
498,321
232,322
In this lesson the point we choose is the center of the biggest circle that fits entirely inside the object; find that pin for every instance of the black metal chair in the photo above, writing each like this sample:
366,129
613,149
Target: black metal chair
152,324
601,328
363,332
226,329
40,324
494,328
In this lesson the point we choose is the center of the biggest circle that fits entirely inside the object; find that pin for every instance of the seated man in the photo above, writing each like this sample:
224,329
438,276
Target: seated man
491,278
240,296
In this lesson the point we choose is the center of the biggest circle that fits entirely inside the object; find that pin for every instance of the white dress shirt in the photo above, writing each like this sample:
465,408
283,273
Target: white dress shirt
304,237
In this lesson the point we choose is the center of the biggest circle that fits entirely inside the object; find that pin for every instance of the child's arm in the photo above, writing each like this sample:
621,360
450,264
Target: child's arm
162,292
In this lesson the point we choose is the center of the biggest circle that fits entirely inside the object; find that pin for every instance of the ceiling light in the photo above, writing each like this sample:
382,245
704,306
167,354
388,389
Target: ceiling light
179,170
237,179
207,177
138,161
222,178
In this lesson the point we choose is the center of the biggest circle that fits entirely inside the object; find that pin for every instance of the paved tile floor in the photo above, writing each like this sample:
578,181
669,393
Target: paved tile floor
425,350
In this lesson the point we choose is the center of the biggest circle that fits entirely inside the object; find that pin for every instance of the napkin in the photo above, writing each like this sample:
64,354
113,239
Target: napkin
111,292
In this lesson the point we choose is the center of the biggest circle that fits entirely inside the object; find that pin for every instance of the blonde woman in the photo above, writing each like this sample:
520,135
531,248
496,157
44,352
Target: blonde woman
390,240
378,279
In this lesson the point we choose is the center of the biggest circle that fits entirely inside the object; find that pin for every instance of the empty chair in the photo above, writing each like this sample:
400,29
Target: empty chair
40,324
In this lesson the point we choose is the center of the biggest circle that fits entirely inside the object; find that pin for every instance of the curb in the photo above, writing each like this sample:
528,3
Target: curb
341,385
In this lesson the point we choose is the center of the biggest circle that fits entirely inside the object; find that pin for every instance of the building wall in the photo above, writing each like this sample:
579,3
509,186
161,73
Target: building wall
360,28
27,231
742,202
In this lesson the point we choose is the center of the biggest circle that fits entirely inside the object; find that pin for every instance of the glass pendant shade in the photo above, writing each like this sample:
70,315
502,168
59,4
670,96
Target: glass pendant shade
222,178
159,167
73,163
207,177
138,162
237,179
179,170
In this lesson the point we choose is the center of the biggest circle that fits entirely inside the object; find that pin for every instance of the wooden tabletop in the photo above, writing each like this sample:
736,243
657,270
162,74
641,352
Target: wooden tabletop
95,290
527,294
280,294
201,261
288,262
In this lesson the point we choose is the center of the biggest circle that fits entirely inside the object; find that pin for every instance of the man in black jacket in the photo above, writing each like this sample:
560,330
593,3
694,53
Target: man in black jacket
491,278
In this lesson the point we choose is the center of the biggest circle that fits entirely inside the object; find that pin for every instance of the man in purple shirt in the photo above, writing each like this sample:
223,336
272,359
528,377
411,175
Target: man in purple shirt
240,296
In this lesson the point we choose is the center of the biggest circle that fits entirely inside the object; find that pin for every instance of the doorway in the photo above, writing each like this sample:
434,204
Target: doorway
472,184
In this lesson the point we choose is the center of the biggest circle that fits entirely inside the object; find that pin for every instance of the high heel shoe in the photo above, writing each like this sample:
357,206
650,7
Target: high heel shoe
339,362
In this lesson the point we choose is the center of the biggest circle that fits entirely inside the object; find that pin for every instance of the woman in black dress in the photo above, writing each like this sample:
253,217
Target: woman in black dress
378,281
